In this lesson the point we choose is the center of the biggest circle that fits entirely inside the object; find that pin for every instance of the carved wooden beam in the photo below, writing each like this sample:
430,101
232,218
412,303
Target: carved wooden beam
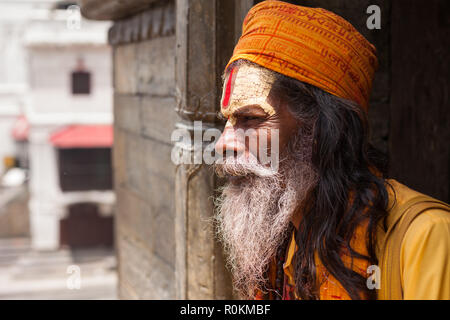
205,34
159,21
112,9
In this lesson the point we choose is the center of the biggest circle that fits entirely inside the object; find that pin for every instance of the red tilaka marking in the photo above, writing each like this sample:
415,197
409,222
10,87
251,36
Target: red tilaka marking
226,98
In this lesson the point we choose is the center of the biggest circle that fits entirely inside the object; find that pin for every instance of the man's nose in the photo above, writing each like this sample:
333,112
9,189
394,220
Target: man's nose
228,143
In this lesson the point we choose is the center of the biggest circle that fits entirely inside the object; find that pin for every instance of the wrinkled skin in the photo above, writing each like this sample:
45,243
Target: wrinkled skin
256,206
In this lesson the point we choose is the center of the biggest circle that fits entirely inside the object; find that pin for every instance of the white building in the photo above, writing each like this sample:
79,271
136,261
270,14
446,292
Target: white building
66,96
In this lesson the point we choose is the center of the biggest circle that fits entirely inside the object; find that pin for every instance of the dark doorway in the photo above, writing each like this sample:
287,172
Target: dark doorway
85,227
81,82
82,169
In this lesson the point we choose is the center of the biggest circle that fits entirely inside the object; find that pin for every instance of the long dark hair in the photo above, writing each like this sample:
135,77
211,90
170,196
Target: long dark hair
350,190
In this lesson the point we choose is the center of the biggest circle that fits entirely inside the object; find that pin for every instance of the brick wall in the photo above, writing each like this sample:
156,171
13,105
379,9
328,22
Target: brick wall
144,117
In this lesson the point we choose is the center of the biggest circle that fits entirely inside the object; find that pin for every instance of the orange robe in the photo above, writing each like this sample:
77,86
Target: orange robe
425,256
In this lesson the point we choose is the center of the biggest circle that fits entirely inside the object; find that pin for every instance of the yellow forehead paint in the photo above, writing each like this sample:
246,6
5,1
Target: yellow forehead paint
246,85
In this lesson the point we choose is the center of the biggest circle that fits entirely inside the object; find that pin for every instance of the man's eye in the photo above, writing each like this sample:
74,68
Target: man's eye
251,118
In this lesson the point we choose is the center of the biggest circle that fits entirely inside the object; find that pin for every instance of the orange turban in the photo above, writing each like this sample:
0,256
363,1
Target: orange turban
312,45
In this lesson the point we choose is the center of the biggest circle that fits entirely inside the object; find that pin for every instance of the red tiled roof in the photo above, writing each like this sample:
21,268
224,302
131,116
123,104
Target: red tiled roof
83,136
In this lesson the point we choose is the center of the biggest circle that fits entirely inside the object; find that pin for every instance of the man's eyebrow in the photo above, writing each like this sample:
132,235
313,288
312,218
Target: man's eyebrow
249,109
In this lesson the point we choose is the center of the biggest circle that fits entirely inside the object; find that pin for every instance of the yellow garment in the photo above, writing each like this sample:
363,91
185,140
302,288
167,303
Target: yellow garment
425,257
425,254
330,288
425,249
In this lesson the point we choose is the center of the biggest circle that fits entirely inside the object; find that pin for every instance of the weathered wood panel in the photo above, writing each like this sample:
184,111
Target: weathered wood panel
206,34
419,136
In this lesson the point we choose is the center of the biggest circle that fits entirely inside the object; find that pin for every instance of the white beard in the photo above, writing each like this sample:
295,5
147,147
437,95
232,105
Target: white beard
253,214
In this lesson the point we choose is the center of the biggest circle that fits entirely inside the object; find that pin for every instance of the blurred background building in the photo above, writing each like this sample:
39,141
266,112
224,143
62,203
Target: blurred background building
69,112
56,138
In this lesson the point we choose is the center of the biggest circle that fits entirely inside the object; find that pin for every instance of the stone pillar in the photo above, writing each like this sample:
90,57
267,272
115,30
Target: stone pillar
164,235
206,33
45,194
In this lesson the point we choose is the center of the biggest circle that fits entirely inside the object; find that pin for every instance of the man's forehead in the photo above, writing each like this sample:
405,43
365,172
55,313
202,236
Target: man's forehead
244,86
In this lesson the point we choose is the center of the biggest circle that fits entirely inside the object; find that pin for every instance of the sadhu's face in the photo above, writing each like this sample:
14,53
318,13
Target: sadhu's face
252,113
256,204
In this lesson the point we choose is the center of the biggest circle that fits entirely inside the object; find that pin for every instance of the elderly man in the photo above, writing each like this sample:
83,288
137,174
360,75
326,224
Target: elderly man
325,224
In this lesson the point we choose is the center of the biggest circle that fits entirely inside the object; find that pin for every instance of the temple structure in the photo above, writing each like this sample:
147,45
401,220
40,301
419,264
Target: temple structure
168,59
